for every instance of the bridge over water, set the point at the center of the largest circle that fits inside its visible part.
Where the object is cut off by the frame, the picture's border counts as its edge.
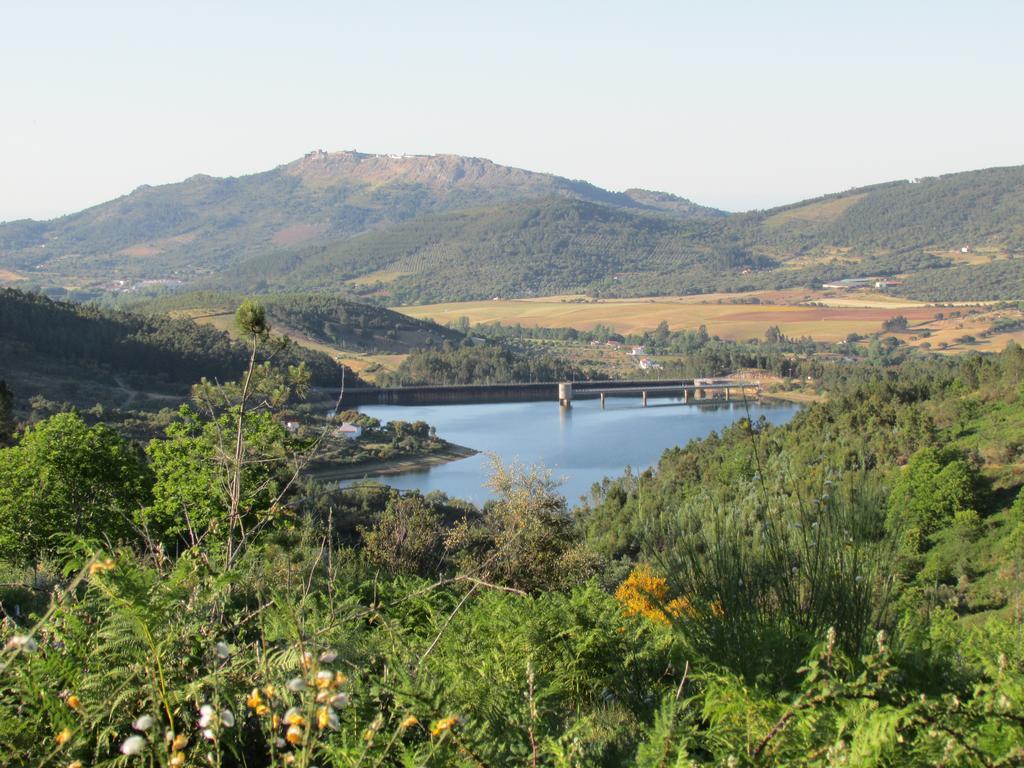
(689, 390)
(696, 389)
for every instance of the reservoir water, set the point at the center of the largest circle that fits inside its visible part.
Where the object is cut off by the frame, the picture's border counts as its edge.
(580, 445)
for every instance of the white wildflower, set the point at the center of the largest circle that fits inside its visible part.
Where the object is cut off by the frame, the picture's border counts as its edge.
(143, 723)
(133, 745)
(206, 713)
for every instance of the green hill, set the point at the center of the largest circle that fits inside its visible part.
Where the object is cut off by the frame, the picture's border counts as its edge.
(83, 354)
(332, 320)
(437, 228)
(204, 223)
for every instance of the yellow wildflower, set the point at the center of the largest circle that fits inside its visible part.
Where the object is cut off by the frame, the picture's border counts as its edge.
(177, 760)
(294, 717)
(74, 702)
(644, 594)
(716, 609)
(340, 679)
(63, 737)
(75, 764)
(327, 718)
(324, 679)
(269, 690)
(180, 742)
(443, 725)
(254, 700)
(409, 722)
(99, 567)
(679, 606)
(294, 734)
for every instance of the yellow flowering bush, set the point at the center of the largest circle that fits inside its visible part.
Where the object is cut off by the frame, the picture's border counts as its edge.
(645, 594)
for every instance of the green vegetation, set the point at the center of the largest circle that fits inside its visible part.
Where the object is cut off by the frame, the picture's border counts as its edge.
(844, 589)
(86, 355)
(482, 364)
(476, 231)
(172, 231)
(65, 477)
(376, 442)
(1001, 280)
(338, 321)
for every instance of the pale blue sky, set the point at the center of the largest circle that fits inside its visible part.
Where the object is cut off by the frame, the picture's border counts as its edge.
(733, 104)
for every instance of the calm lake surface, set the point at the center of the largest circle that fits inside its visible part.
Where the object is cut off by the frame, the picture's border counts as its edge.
(580, 445)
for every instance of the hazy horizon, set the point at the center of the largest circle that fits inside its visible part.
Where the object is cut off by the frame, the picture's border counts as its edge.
(739, 108)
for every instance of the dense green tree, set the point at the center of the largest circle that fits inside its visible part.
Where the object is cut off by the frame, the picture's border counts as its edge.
(930, 491)
(66, 478)
(191, 492)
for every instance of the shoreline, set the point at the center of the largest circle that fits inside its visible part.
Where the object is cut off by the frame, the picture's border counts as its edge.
(396, 466)
(797, 397)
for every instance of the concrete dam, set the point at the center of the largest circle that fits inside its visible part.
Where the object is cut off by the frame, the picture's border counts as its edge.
(689, 390)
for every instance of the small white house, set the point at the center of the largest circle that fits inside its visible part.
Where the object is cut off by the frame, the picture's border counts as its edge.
(348, 431)
(637, 351)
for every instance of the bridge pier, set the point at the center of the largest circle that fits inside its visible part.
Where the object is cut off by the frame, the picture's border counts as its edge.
(602, 401)
(565, 394)
(645, 398)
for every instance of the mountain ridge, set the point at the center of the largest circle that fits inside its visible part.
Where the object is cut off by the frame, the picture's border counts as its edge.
(441, 227)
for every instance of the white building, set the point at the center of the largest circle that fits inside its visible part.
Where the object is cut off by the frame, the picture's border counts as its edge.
(348, 431)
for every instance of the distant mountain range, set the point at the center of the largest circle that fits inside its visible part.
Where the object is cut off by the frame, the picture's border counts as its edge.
(445, 227)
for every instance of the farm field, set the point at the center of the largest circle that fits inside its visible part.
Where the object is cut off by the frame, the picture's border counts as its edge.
(723, 318)
(952, 334)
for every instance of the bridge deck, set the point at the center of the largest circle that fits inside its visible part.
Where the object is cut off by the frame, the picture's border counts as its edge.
(660, 388)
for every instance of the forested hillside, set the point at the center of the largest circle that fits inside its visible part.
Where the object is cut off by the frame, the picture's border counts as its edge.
(206, 223)
(428, 229)
(560, 246)
(78, 352)
(340, 322)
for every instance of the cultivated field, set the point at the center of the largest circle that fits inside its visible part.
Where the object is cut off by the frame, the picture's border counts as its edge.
(789, 310)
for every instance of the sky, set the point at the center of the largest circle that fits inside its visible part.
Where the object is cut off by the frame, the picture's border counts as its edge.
(733, 104)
